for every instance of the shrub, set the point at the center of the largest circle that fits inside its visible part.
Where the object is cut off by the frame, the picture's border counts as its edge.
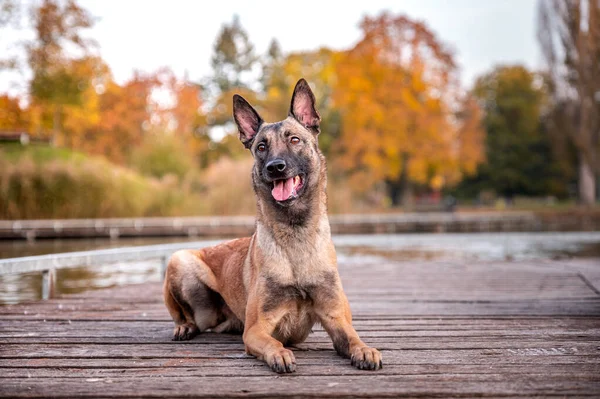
(81, 187)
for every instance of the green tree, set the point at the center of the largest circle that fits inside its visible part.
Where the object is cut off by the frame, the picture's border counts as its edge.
(55, 83)
(519, 155)
(9, 12)
(272, 68)
(233, 57)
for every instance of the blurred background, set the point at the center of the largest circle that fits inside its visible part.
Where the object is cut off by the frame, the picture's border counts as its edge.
(123, 109)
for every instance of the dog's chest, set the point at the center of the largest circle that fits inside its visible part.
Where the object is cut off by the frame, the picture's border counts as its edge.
(297, 262)
(298, 302)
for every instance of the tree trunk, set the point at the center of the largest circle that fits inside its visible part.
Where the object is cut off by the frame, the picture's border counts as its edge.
(405, 186)
(587, 182)
(400, 190)
(394, 192)
(55, 125)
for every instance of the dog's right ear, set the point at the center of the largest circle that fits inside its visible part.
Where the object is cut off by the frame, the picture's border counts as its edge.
(247, 120)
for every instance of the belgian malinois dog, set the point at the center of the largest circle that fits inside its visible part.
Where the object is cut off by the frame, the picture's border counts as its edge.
(275, 285)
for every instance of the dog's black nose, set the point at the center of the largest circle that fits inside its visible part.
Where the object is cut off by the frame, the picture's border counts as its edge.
(276, 166)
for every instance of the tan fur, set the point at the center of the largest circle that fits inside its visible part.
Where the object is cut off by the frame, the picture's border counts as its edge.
(275, 285)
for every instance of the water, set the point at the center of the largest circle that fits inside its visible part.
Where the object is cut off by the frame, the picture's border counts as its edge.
(15, 249)
(482, 247)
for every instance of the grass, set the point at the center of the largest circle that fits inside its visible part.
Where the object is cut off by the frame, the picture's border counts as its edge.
(39, 153)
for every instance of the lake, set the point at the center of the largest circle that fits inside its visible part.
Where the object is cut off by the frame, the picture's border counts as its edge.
(392, 248)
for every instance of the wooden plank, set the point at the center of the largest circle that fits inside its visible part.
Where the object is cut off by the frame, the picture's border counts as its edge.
(163, 334)
(404, 340)
(362, 309)
(485, 359)
(196, 349)
(224, 368)
(366, 385)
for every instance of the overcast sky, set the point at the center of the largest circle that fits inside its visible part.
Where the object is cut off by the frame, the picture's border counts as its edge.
(146, 35)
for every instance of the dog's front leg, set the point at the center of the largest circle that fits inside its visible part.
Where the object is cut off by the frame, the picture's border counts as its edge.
(335, 316)
(260, 343)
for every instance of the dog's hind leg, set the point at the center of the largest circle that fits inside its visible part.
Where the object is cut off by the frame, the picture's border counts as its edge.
(185, 328)
(231, 324)
(193, 305)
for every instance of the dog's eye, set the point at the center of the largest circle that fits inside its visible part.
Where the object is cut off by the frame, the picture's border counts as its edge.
(294, 140)
(261, 147)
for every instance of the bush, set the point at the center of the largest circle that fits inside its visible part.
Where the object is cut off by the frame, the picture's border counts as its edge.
(33, 187)
(160, 156)
(228, 187)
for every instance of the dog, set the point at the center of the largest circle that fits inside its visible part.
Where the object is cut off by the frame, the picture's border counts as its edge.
(275, 285)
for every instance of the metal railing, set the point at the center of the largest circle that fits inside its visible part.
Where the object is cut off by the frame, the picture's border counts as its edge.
(48, 264)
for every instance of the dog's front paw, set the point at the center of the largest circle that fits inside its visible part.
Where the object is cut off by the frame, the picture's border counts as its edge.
(282, 361)
(366, 358)
(185, 332)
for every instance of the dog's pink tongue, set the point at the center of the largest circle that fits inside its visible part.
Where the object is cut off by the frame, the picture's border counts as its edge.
(282, 189)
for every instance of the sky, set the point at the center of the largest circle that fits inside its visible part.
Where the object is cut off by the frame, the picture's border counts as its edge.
(147, 35)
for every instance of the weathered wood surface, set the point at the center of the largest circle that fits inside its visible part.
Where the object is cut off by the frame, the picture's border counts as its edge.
(445, 329)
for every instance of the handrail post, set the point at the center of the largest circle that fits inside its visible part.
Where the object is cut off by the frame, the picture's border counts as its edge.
(163, 266)
(48, 283)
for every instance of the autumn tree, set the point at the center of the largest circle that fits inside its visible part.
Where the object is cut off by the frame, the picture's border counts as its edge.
(124, 115)
(55, 83)
(12, 116)
(400, 100)
(569, 34)
(317, 67)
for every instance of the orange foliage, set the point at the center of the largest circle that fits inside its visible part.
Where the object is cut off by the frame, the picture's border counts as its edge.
(12, 116)
(398, 93)
(122, 115)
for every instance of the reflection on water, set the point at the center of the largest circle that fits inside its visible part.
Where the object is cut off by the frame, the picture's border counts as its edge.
(24, 287)
(28, 286)
(351, 248)
(15, 249)
(472, 247)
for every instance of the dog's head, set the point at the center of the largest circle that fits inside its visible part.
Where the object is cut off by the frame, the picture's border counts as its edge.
(287, 160)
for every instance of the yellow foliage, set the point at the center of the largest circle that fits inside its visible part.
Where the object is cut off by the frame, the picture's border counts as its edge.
(398, 93)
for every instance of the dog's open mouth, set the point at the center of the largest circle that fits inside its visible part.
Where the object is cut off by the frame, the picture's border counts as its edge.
(286, 189)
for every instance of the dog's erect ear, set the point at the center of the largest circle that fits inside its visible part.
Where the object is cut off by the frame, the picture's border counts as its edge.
(303, 106)
(247, 120)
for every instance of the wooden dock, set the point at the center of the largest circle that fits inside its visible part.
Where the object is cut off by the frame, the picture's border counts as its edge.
(239, 226)
(445, 329)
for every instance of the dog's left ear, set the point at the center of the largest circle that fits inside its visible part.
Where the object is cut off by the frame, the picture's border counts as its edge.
(303, 107)
(247, 120)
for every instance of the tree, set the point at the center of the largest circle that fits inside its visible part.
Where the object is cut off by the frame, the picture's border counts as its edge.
(317, 67)
(398, 93)
(54, 84)
(79, 117)
(519, 155)
(569, 34)
(233, 64)
(12, 116)
(233, 57)
(9, 12)
(272, 67)
(124, 116)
